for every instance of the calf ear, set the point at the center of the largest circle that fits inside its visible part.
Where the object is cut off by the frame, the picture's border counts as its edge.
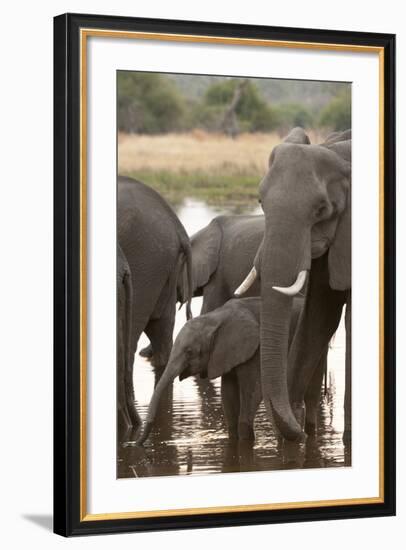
(205, 253)
(234, 342)
(339, 258)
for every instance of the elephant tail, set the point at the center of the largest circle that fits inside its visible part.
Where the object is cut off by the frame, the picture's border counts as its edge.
(189, 270)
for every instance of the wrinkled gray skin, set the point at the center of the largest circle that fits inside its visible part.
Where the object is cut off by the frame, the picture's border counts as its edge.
(127, 415)
(306, 197)
(223, 342)
(222, 254)
(156, 246)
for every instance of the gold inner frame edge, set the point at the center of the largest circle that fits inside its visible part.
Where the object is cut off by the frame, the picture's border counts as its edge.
(84, 34)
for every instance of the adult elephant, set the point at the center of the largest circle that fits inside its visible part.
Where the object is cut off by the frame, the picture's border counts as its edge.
(156, 247)
(222, 253)
(306, 198)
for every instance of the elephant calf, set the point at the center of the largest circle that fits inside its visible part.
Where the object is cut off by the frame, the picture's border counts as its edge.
(223, 342)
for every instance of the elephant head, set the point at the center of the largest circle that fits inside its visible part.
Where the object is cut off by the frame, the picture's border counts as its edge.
(210, 346)
(305, 196)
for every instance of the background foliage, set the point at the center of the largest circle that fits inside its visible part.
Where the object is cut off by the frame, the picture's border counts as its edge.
(154, 103)
(337, 114)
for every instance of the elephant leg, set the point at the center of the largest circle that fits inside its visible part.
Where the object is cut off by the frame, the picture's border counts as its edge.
(313, 393)
(317, 323)
(125, 389)
(130, 399)
(129, 395)
(160, 333)
(230, 397)
(147, 352)
(249, 386)
(348, 374)
(124, 419)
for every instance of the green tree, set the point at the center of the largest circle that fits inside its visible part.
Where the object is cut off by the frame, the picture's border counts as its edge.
(253, 113)
(148, 103)
(294, 114)
(337, 114)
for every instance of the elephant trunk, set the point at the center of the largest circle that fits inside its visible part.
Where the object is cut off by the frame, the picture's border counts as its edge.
(274, 351)
(172, 370)
(281, 263)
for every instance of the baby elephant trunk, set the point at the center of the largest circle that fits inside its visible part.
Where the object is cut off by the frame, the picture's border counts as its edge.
(173, 369)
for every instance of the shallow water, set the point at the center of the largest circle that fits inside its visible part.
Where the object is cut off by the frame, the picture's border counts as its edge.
(190, 435)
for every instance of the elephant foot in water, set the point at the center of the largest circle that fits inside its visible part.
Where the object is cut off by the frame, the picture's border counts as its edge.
(299, 410)
(310, 427)
(310, 421)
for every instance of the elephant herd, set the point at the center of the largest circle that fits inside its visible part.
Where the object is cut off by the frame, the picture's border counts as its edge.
(274, 287)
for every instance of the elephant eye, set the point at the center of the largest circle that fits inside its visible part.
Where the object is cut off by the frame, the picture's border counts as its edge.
(321, 210)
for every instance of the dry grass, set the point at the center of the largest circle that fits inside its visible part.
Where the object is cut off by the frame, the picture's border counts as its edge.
(213, 167)
(195, 151)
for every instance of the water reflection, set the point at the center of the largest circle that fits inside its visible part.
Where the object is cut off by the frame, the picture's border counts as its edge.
(190, 435)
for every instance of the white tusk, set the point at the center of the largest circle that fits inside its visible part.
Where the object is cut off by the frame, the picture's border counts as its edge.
(247, 282)
(295, 288)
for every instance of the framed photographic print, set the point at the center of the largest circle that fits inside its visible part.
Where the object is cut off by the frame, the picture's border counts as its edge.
(224, 274)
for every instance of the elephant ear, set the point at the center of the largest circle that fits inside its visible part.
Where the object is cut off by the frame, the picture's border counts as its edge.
(336, 137)
(339, 258)
(205, 253)
(298, 136)
(234, 342)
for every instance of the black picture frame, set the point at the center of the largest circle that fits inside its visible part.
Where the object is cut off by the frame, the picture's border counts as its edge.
(67, 351)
